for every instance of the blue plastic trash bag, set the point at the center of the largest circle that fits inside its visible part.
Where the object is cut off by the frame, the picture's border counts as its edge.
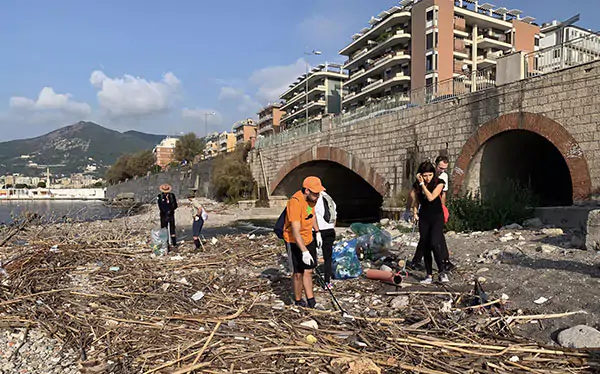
(371, 246)
(159, 241)
(361, 229)
(345, 262)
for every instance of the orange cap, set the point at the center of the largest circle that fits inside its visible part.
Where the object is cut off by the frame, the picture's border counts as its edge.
(313, 184)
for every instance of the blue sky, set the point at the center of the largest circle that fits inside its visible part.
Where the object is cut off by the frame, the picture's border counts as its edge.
(157, 66)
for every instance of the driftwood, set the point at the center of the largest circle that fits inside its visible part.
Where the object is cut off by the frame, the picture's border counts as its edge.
(140, 316)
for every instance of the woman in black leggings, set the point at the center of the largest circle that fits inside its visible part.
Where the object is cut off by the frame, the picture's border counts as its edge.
(426, 194)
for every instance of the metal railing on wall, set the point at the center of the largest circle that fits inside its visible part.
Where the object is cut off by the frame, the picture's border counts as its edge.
(565, 55)
(441, 91)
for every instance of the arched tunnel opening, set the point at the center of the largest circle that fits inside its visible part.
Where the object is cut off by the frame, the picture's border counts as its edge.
(356, 199)
(530, 160)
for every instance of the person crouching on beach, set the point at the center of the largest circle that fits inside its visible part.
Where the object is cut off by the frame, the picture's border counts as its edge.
(199, 216)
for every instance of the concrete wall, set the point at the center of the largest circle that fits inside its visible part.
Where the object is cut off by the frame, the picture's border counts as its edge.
(563, 107)
(145, 189)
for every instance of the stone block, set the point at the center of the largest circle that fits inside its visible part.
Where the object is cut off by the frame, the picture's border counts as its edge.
(592, 240)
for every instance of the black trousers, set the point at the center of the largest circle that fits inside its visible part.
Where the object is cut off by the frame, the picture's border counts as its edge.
(328, 237)
(432, 241)
(418, 257)
(168, 219)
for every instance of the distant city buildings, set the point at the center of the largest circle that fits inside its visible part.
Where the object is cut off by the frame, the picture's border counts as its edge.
(269, 119)
(227, 142)
(211, 147)
(245, 131)
(77, 180)
(313, 95)
(164, 153)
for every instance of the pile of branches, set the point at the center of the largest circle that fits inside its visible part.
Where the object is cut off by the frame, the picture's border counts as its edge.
(220, 310)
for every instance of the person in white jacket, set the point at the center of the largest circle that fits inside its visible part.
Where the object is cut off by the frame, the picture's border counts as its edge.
(199, 216)
(326, 215)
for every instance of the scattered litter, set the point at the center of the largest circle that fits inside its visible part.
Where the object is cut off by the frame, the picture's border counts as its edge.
(252, 236)
(214, 241)
(114, 268)
(311, 324)
(541, 300)
(54, 248)
(311, 339)
(177, 258)
(198, 296)
(514, 359)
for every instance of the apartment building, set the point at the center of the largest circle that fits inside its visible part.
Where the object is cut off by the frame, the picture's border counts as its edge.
(211, 148)
(313, 95)
(420, 43)
(269, 119)
(245, 131)
(226, 142)
(164, 152)
(565, 44)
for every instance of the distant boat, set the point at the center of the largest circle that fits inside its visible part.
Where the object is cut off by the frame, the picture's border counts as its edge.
(53, 194)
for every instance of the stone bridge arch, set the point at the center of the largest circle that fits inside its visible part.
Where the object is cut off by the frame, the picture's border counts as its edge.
(525, 122)
(336, 155)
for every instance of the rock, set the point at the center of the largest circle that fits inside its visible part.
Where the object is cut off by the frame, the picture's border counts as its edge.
(580, 336)
(482, 270)
(384, 221)
(355, 366)
(577, 242)
(506, 238)
(311, 324)
(533, 223)
(547, 248)
(386, 268)
(512, 226)
(552, 231)
(592, 239)
(400, 302)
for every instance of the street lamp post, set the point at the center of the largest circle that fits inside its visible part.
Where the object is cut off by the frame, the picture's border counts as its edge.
(206, 114)
(312, 53)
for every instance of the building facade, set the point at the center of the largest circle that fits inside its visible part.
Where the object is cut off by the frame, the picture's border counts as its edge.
(211, 148)
(226, 142)
(165, 151)
(269, 119)
(563, 45)
(420, 43)
(245, 131)
(313, 95)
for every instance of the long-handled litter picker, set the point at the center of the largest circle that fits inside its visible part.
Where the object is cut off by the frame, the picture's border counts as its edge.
(331, 293)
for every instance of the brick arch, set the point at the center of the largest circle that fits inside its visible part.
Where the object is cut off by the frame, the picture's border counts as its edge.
(536, 123)
(337, 155)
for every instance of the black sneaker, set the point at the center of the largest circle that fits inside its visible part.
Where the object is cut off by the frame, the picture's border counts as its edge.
(301, 303)
(449, 266)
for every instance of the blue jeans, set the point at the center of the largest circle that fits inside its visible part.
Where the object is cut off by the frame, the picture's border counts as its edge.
(197, 227)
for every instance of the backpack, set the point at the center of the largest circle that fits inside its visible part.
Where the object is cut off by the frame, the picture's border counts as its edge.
(279, 225)
(330, 214)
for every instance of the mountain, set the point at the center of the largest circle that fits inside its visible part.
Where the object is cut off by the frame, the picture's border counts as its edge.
(71, 149)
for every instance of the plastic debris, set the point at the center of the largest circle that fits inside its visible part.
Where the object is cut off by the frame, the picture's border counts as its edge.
(345, 262)
(198, 296)
(541, 300)
(160, 241)
(311, 339)
(311, 324)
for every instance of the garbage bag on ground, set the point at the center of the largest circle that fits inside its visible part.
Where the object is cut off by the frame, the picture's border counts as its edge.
(159, 241)
(361, 229)
(345, 261)
(371, 246)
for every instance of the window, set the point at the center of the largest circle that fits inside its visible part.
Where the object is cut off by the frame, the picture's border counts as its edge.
(429, 41)
(557, 53)
(536, 42)
(428, 82)
(430, 15)
(429, 63)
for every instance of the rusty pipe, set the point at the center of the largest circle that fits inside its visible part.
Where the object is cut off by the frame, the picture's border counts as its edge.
(384, 276)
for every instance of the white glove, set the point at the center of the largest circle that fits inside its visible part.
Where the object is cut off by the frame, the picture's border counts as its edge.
(196, 218)
(307, 258)
(319, 240)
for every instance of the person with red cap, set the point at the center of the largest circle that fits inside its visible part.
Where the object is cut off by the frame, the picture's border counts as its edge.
(298, 236)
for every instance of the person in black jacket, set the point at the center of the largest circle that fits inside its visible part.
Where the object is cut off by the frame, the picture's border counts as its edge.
(167, 204)
(427, 210)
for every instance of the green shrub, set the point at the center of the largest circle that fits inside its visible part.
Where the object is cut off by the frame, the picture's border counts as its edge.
(504, 204)
(231, 178)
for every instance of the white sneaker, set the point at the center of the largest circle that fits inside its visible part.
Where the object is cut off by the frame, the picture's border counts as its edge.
(428, 280)
(444, 278)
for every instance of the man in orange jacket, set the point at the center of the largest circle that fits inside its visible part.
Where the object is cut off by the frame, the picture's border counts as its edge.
(298, 236)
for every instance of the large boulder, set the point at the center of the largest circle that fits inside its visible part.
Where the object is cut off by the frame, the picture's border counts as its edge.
(580, 336)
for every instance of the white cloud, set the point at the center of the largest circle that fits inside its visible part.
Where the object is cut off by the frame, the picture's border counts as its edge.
(50, 100)
(274, 80)
(134, 96)
(244, 102)
(228, 92)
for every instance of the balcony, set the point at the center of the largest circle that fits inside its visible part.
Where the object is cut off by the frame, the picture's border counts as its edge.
(378, 85)
(319, 88)
(389, 40)
(488, 41)
(392, 20)
(379, 65)
(302, 110)
(264, 119)
(265, 129)
(487, 60)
